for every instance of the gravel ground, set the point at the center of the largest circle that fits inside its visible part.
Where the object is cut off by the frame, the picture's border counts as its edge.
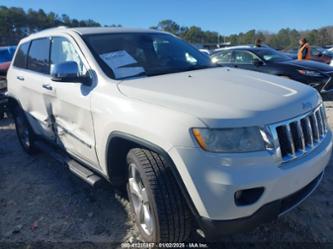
(42, 205)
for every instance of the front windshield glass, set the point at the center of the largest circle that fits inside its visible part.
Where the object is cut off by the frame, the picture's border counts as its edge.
(327, 52)
(126, 55)
(271, 55)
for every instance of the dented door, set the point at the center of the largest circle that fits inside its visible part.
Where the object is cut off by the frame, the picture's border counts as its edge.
(71, 106)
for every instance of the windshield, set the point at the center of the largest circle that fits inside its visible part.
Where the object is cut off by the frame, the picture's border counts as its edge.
(271, 55)
(327, 52)
(126, 55)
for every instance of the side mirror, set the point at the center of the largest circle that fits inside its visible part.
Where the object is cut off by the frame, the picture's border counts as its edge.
(68, 72)
(258, 62)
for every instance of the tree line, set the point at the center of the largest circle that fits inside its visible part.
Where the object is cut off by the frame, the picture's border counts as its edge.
(16, 23)
(284, 38)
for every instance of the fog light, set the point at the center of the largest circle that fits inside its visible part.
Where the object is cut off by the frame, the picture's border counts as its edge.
(248, 196)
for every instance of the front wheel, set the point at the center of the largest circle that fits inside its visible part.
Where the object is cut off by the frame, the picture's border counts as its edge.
(161, 213)
(24, 131)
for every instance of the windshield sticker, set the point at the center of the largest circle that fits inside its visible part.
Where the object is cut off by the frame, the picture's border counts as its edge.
(124, 72)
(119, 62)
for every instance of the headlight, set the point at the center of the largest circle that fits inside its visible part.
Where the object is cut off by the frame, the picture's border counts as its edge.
(310, 73)
(214, 60)
(230, 140)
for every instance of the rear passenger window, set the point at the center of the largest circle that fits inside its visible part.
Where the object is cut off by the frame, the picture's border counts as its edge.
(38, 59)
(21, 56)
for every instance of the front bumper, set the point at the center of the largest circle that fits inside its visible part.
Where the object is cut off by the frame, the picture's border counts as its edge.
(212, 180)
(213, 229)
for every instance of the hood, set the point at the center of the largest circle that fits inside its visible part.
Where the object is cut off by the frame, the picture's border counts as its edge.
(311, 65)
(225, 97)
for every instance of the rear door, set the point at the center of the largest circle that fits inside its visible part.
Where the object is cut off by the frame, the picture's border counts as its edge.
(31, 75)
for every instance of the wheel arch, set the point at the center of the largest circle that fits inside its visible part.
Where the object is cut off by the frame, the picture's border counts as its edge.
(118, 145)
(13, 103)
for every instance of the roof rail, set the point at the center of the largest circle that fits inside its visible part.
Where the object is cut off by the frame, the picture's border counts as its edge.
(58, 27)
(49, 29)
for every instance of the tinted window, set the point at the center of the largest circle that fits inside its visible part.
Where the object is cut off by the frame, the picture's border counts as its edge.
(125, 55)
(21, 56)
(63, 50)
(222, 57)
(38, 59)
(5, 55)
(244, 57)
(271, 55)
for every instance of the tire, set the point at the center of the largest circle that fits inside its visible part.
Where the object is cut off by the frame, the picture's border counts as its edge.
(161, 198)
(24, 131)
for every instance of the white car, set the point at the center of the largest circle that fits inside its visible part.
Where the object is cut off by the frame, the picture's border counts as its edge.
(219, 150)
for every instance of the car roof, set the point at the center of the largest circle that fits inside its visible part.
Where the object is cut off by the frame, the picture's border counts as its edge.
(103, 30)
(87, 31)
(245, 48)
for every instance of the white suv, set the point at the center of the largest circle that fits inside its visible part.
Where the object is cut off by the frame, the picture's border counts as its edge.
(217, 149)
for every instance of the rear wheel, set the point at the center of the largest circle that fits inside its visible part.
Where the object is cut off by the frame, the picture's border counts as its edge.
(161, 213)
(24, 131)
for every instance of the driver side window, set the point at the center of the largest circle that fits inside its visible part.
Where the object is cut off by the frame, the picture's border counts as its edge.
(62, 50)
(244, 57)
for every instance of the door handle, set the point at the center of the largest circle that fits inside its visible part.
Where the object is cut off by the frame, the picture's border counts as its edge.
(20, 78)
(47, 87)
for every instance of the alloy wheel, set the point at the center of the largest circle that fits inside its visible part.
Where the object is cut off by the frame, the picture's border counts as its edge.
(140, 201)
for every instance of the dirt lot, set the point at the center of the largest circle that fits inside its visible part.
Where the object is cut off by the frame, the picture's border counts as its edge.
(42, 204)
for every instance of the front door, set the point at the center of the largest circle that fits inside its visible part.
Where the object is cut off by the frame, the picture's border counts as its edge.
(71, 107)
(246, 60)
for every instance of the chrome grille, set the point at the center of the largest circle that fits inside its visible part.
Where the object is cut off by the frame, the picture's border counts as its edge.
(295, 137)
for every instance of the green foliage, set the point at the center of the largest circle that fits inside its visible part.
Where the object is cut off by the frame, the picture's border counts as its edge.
(284, 38)
(15, 23)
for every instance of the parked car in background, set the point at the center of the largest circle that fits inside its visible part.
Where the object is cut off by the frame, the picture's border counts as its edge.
(6, 55)
(317, 54)
(3, 98)
(329, 53)
(264, 45)
(266, 60)
(205, 51)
